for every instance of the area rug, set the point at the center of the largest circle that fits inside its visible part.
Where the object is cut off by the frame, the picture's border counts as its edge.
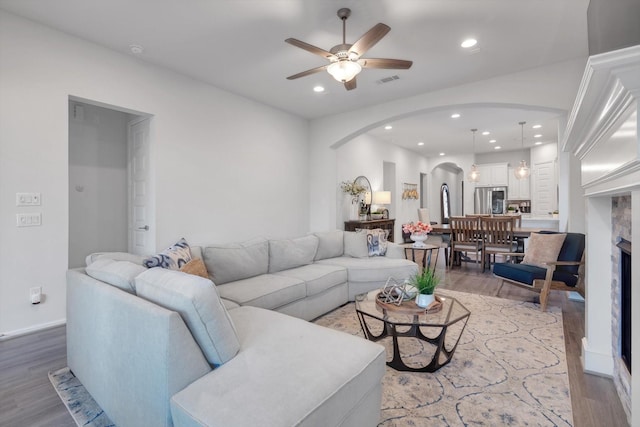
(84, 410)
(509, 369)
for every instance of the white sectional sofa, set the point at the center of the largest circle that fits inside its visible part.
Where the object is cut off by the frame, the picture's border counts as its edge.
(158, 347)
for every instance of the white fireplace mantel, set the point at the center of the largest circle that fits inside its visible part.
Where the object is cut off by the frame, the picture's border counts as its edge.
(602, 132)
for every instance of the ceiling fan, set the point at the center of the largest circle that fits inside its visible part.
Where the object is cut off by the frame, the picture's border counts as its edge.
(346, 59)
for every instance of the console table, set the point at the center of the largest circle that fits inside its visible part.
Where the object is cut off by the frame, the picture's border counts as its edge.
(385, 224)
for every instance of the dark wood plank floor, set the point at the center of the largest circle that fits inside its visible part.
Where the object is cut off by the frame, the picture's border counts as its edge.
(28, 399)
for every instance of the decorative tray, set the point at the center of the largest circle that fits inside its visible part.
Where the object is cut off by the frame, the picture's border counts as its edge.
(409, 306)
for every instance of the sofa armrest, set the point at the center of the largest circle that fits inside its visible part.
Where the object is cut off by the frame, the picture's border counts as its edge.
(109, 332)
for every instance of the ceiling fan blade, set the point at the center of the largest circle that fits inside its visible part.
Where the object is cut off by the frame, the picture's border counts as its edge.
(311, 48)
(369, 39)
(399, 64)
(308, 72)
(351, 84)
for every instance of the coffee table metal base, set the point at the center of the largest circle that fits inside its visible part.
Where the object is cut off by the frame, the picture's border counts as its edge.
(391, 329)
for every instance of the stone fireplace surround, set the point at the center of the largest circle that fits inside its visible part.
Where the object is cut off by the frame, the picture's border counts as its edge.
(602, 140)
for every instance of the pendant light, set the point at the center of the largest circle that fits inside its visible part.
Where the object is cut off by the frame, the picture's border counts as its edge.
(474, 173)
(522, 171)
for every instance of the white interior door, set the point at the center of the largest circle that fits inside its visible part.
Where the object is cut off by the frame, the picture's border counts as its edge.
(141, 218)
(544, 187)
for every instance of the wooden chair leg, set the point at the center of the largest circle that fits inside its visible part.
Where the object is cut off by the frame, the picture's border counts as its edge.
(499, 287)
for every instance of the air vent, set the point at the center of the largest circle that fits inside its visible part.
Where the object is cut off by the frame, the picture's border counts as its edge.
(387, 79)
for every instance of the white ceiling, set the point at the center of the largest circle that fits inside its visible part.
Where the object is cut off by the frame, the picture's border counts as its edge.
(238, 45)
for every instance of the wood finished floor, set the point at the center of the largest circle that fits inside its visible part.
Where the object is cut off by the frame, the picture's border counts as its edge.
(28, 399)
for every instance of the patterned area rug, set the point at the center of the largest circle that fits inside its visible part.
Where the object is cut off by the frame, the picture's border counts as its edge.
(84, 410)
(509, 369)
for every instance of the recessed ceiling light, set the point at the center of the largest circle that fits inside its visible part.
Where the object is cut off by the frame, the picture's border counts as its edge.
(420, 143)
(486, 132)
(538, 143)
(537, 135)
(442, 154)
(497, 147)
(136, 49)
(388, 127)
(493, 141)
(455, 116)
(469, 43)
(536, 126)
(318, 89)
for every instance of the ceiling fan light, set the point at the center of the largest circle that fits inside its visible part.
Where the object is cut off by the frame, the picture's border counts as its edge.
(344, 70)
(522, 171)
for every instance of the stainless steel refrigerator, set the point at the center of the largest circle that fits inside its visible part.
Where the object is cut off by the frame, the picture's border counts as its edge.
(490, 200)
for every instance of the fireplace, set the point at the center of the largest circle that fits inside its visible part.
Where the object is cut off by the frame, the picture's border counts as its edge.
(625, 301)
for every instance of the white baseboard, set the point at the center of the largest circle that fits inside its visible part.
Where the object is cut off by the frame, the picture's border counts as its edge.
(31, 330)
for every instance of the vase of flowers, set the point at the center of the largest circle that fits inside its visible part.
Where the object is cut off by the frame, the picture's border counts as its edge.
(425, 282)
(419, 232)
(353, 190)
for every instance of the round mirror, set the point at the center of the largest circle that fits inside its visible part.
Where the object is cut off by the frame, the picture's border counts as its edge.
(365, 197)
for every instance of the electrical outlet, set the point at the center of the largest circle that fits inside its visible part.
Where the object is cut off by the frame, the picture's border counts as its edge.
(35, 294)
(29, 219)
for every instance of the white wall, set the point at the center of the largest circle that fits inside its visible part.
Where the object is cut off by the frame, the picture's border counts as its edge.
(226, 168)
(97, 182)
(365, 155)
(441, 175)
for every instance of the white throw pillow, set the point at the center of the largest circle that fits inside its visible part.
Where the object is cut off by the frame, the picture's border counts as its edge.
(173, 258)
(197, 301)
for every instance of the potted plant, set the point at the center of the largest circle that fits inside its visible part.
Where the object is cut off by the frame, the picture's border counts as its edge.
(554, 214)
(511, 210)
(425, 282)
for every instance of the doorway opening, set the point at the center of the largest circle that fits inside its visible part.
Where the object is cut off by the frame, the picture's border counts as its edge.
(101, 188)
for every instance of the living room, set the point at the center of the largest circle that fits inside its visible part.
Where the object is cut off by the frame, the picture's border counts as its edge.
(227, 168)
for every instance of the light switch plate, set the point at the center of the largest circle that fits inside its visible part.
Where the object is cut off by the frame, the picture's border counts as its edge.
(27, 199)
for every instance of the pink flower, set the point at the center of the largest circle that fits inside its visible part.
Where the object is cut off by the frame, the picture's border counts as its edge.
(417, 228)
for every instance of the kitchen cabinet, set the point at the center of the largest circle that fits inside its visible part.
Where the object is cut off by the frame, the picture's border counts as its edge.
(519, 189)
(493, 175)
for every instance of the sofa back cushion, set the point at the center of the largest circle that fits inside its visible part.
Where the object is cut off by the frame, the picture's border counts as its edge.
(116, 256)
(196, 300)
(120, 274)
(355, 244)
(330, 244)
(291, 253)
(236, 261)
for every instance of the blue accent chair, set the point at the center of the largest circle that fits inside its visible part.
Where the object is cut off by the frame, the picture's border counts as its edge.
(565, 274)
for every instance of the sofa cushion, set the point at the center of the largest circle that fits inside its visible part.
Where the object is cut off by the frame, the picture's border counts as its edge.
(330, 244)
(197, 301)
(543, 248)
(174, 257)
(355, 244)
(526, 273)
(120, 274)
(195, 266)
(237, 261)
(268, 291)
(280, 355)
(373, 269)
(116, 256)
(291, 253)
(317, 277)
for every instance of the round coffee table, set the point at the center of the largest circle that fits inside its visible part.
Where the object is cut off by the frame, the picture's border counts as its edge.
(441, 329)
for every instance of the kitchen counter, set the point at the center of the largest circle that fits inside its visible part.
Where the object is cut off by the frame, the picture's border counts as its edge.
(546, 222)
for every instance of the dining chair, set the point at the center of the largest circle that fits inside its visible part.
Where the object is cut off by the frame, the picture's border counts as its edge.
(465, 237)
(497, 237)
